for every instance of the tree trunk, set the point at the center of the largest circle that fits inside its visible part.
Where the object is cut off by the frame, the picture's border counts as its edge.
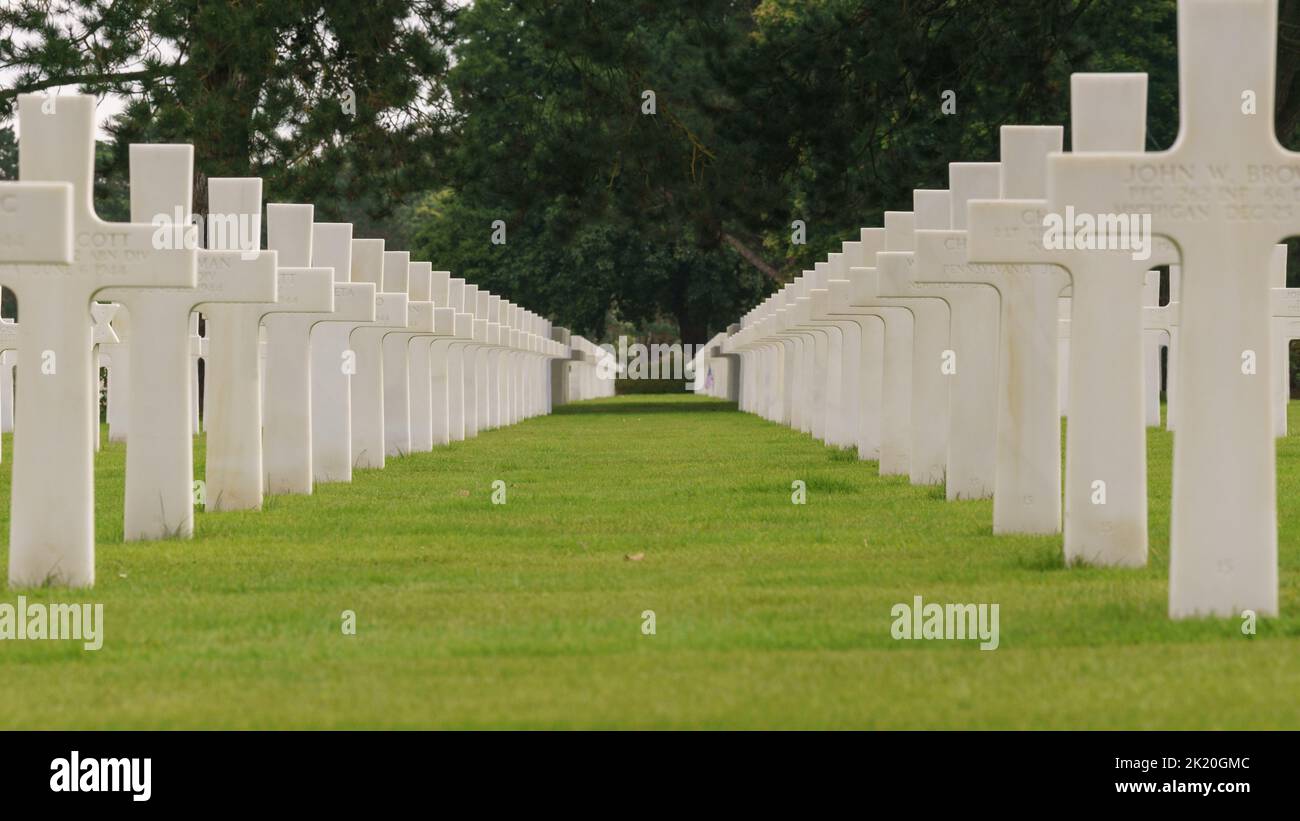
(691, 331)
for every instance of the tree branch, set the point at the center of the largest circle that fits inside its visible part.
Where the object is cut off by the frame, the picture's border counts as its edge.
(78, 79)
(751, 256)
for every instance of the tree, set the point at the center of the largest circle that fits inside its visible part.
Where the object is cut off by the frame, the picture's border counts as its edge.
(602, 200)
(764, 112)
(332, 102)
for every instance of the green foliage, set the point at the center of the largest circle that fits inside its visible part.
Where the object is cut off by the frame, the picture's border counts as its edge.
(8, 154)
(259, 88)
(765, 112)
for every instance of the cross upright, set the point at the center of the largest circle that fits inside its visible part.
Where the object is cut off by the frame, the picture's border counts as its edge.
(488, 336)
(1225, 193)
(234, 469)
(290, 399)
(428, 292)
(896, 412)
(367, 341)
(73, 254)
(932, 318)
(1105, 463)
(447, 366)
(403, 408)
(843, 382)
(498, 364)
(331, 358)
(969, 363)
(159, 450)
(941, 259)
(473, 358)
(810, 386)
(1027, 483)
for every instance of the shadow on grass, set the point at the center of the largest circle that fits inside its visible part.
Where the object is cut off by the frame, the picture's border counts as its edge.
(636, 407)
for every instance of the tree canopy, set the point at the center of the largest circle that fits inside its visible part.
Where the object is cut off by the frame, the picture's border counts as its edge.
(643, 159)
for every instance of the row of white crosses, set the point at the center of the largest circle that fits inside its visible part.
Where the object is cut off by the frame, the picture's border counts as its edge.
(931, 344)
(713, 372)
(368, 354)
(591, 371)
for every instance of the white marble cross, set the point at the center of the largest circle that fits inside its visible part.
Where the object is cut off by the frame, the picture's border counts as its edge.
(809, 386)
(159, 453)
(1225, 193)
(522, 358)
(787, 351)
(507, 359)
(407, 389)
(808, 349)
(863, 353)
(773, 356)
(488, 337)
(559, 385)
(1105, 465)
(1027, 487)
(498, 392)
(932, 318)
(896, 413)
(539, 365)
(397, 396)
(552, 351)
(511, 386)
(844, 366)
(233, 397)
(753, 342)
(781, 348)
(429, 390)
(490, 367)
(332, 359)
(65, 254)
(975, 331)
(368, 413)
(968, 363)
(473, 356)
(447, 365)
(288, 431)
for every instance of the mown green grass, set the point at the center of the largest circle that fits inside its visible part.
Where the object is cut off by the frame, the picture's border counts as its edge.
(528, 614)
